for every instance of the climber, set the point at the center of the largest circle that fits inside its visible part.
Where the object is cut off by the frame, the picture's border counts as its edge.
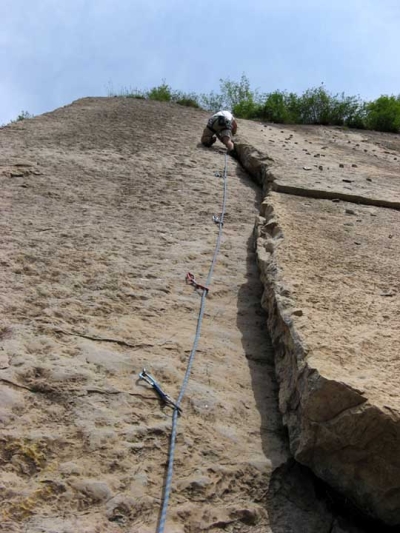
(222, 125)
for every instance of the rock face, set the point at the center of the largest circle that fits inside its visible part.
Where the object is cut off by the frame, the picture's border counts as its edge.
(96, 240)
(331, 274)
(106, 205)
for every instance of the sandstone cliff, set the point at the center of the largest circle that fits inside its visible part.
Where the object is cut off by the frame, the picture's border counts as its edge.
(106, 205)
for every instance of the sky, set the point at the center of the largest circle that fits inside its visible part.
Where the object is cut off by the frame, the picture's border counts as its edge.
(55, 51)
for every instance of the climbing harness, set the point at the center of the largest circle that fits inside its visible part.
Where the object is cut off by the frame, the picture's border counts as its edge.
(148, 378)
(223, 123)
(190, 278)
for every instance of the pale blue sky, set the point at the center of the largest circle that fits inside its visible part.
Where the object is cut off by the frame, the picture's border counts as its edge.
(55, 51)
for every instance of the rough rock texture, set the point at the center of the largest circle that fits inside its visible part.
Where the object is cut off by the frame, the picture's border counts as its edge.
(331, 276)
(330, 162)
(106, 204)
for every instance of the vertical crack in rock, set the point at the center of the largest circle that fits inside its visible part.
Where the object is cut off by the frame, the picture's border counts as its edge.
(334, 428)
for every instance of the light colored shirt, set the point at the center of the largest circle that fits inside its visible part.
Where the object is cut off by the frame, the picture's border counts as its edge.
(227, 114)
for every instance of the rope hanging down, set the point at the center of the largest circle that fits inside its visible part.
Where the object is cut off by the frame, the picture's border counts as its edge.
(172, 443)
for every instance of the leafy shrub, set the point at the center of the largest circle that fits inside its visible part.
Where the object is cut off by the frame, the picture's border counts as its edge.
(246, 109)
(185, 99)
(188, 102)
(235, 93)
(139, 95)
(344, 109)
(239, 97)
(212, 102)
(162, 93)
(357, 117)
(22, 116)
(314, 106)
(280, 107)
(318, 106)
(384, 114)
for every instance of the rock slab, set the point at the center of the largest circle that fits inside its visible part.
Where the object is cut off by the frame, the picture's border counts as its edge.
(330, 272)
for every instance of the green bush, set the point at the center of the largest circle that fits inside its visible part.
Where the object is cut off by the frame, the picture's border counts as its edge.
(185, 99)
(280, 107)
(344, 109)
(212, 102)
(162, 93)
(188, 102)
(22, 116)
(314, 106)
(138, 95)
(247, 109)
(357, 117)
(384, 114)
(239, 97)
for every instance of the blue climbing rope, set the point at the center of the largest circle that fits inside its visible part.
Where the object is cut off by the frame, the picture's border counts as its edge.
(175, 415)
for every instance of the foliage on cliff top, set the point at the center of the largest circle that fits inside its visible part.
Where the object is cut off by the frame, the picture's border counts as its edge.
(316, 105)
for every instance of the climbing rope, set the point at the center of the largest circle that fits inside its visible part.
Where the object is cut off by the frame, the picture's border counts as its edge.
(175, 415)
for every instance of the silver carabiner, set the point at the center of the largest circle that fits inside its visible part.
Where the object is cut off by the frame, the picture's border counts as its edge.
(163, 396)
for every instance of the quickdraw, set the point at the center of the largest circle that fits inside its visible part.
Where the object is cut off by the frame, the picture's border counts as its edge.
(218, 220)
(190, 279)
(148, 378)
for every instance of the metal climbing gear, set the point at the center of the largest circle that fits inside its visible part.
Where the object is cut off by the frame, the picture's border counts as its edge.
(148, 378)
(218, 219)
(190, 279)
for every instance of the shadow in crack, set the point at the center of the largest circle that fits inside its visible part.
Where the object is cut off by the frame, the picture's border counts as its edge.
(296, 500)
(256, 342)
(291, 503)
(247, 180)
